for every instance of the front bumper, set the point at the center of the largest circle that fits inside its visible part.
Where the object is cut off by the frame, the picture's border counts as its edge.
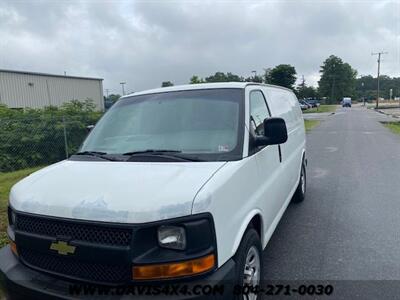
(21, 282)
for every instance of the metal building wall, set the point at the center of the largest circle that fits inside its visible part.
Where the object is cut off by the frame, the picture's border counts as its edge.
(36, 91)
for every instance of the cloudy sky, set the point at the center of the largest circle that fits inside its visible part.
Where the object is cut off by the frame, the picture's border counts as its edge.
(146, 42)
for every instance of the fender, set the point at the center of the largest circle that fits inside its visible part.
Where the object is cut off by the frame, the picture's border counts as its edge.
(303, 158)
(244, 226)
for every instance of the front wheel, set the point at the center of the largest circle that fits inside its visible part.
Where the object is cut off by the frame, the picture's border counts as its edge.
(300, 193)
(249, 264)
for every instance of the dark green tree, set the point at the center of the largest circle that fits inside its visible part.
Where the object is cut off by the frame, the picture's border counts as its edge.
(196, 79)
(222, 77)
(110, 100)
(282, 75)
(255, 78)
(166, 83)
(303, 91)
(306, 92)
(366, 86)
(113, 97)
(337, 79)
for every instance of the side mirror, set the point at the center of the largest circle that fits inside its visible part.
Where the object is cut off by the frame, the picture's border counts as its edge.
(89, 128)
(275, 132)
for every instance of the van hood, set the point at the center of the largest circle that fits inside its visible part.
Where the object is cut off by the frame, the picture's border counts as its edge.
(125, 192)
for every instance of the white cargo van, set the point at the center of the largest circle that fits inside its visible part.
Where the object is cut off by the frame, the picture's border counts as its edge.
(173, 184)
(346, 102)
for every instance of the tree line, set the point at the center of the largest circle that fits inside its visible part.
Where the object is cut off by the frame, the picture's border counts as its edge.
(338, 79)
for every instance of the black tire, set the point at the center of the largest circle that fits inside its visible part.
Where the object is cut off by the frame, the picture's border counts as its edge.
(250, 241)
(300, 193)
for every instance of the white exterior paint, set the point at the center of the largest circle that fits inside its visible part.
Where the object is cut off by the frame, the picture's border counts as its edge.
(258, 184)
(124, 192)
(233, 192)
(37, 90)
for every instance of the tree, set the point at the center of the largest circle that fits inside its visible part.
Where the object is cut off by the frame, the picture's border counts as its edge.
(196, 79)
(337, 79)
(283, 75)
(366, 86)
(113, 97)
(166, 83)
(255, 78)
(306, 92)
(222, 77)
(110, 100)
(303, 91)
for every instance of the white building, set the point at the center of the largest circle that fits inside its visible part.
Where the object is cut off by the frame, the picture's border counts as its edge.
(36, 90)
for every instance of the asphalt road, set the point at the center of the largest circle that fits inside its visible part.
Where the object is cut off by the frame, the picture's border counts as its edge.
(348, 228)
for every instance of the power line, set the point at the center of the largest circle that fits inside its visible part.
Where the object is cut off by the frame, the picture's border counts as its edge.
(379, 67)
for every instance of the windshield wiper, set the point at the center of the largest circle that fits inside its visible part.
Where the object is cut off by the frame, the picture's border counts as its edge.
(162, 153)
(98, 154)
(152, 151)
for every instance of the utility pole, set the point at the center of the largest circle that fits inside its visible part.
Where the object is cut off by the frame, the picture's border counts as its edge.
(255, 74)
(379, 67)
(107, 90)
(303, 81)
(123, 89)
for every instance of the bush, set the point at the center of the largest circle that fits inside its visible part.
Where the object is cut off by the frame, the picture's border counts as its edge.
(33, 137)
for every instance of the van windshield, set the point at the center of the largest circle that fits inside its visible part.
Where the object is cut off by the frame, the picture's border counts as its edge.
(203, 123)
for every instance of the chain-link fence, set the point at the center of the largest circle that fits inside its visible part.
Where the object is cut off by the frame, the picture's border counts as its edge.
(40, 140)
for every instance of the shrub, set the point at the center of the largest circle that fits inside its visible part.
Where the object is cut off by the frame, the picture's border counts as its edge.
(33, 137)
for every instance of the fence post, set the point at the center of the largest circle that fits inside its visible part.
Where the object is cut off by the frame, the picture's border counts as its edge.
(65, 137)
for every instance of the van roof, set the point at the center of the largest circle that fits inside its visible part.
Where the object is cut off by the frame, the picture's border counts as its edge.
(200, 86)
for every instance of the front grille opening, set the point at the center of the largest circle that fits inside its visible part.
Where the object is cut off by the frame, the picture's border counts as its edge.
(64, 266)
(75, 231)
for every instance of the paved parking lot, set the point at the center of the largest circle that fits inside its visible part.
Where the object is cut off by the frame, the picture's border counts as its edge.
(348, 226)
(317, 116)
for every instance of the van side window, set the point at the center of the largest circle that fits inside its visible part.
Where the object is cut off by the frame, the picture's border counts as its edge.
(258, 112)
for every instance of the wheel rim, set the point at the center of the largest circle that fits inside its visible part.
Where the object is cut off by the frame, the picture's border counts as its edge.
(303, 181)
(252, 269)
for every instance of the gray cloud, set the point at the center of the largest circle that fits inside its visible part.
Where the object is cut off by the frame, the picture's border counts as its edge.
(146, 42)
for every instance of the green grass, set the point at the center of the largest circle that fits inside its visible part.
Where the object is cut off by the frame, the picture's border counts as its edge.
(310, 124)
(321, 109)
(393, 126)
(7, 180)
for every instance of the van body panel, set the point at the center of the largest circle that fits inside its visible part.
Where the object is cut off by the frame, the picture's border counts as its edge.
(230, 202)
(130, 192)
(270, 184)
(261, 182)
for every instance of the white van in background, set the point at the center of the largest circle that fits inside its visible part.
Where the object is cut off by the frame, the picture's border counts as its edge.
(346, 102)
(180, 183)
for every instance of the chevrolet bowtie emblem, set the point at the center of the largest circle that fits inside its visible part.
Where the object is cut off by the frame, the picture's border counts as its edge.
(62, 248)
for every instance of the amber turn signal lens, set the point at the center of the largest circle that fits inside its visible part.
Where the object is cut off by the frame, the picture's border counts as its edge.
(171, 270)
(13, 247)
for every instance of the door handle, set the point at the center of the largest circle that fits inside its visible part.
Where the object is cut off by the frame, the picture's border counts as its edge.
(280, 153)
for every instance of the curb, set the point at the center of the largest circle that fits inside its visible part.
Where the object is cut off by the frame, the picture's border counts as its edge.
(382, 112)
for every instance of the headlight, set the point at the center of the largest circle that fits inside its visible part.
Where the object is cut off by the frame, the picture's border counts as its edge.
(172, 237)
(174, 248)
